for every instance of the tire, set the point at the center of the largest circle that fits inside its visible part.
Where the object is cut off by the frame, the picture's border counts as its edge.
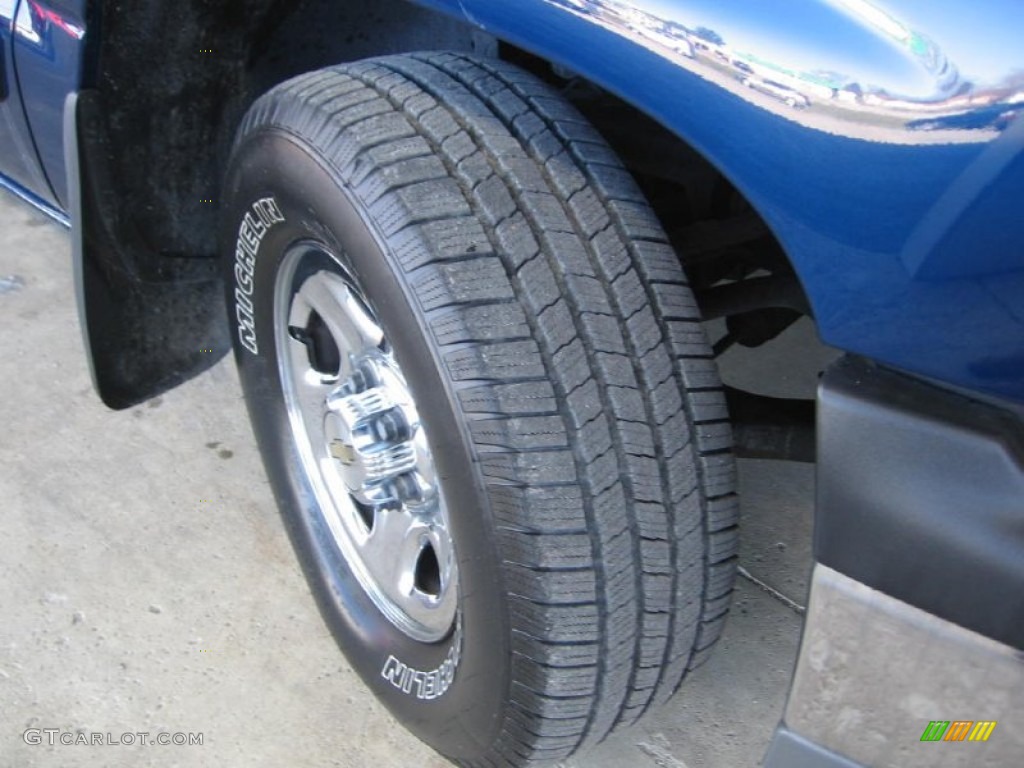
(569, 403)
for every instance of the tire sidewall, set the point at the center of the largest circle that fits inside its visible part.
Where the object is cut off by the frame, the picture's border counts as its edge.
(317, 205)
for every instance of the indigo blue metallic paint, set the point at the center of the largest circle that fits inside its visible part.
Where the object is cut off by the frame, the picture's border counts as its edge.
(902, 213)
(19, 161)
(48, 55)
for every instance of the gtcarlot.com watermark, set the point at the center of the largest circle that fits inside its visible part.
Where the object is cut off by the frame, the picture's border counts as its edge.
(55, 736)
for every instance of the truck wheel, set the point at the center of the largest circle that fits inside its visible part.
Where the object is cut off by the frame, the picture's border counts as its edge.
(483, 398)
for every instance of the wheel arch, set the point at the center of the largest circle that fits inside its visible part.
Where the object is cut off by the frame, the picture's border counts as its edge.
(876, 252)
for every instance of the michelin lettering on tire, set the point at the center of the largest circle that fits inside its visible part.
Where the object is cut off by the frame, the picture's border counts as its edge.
(425, 685)
(255, 224)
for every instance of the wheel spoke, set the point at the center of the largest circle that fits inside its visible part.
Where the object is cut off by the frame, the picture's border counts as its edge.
(392, 547)
(311, 389)
(350, 325)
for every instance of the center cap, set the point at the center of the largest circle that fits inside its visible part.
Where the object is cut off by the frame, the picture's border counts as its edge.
(368, 433)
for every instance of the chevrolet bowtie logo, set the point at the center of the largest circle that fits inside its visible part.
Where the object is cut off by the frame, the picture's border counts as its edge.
(343, 452)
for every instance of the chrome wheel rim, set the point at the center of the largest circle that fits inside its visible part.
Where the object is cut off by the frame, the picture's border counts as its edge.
(362, 445)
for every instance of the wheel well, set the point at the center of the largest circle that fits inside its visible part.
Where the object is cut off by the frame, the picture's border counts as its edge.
(171, 83)
(166, 127)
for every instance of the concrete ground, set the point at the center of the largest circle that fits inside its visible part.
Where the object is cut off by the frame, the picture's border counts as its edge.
(148, 585)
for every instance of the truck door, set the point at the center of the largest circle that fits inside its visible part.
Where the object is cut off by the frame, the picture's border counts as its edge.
(19, 160)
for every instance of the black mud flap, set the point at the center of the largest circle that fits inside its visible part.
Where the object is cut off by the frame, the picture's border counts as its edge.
(150, 321)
